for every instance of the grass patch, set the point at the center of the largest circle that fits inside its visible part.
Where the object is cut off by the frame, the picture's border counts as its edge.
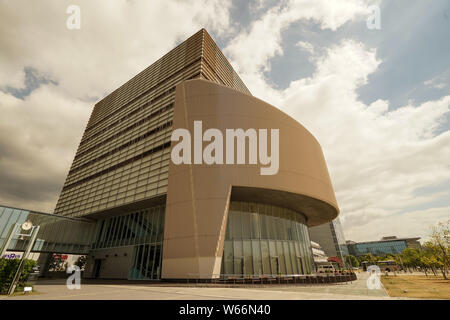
(32, 293)
(431, 287)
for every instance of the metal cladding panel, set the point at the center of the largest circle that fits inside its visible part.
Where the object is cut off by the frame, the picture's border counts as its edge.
(199, 195)
(123, 156)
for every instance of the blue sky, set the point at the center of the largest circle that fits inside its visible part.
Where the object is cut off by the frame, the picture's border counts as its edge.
(377, 100)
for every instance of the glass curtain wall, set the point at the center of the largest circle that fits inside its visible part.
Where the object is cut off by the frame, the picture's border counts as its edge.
(56, 233)
(144, 231)
(380, 248)
(263, 239)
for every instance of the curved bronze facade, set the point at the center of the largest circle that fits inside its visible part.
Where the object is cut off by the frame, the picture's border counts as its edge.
(198, 195)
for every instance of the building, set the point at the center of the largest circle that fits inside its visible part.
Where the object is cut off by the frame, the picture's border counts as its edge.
(56, 235)
(387, 245)
(155, 219)
(319, 255)
(331, 238)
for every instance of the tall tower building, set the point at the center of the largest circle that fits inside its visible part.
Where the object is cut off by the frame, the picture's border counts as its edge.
(123, 156)
(330, 237)
(155, 219)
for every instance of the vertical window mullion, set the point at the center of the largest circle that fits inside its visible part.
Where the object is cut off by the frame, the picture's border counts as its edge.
(107, 234)
(111, 234)
(127, 230)
(139, 219)
(154, 260)
(155, 226)
(122, 230)
(135, 227)
(151, 218)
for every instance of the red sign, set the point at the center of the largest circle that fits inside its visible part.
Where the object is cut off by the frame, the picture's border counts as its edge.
(62, 256)
(335, 259)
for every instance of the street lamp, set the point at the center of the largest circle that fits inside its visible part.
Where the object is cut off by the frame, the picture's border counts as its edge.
(15, 230)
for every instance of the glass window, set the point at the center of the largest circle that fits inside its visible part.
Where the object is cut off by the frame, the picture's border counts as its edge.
(287, 257)
(228, 257)
(281, 259)
(255, 225)
(274, 261)
(246, 225)
(295, 268)
(248, 257)
(265, 257)
(263, 226)
(257, 262)
(279, 225)
(238, 258)
(151, 262)
(247, 250)
(157, 266)
(237, 225)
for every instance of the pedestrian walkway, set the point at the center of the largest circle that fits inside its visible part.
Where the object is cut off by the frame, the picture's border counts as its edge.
(117, 290)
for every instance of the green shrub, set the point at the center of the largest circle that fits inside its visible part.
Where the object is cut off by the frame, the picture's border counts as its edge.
(8, 268)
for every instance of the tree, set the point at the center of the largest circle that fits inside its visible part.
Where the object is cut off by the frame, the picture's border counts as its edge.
(390, 257)
(369, 258)
(352, 261)
(435, 253)
(425, 263)
(57, 263)
(81, 262)
(411, 258)
(438, 246)
(8, 268)
(434, 264)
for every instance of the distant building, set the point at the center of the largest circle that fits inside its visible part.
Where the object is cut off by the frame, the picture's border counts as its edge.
(387, 245)
(319, 255)
(331, 238)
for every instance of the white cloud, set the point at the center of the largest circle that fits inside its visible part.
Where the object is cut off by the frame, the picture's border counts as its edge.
(419, 223)
(38, 139)
(39, 135)
(120, 38)
(251, 51)
(377, 158)
(439, 81)
(262, 41)
(306, 46)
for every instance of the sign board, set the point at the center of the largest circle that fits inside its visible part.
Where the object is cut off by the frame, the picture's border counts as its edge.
(11, 256)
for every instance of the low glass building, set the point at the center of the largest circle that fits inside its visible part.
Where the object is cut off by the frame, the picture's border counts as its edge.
(387, 245)
(330, 237)
(57, 234)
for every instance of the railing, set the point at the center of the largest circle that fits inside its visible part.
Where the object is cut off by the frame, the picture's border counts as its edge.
(269, 279)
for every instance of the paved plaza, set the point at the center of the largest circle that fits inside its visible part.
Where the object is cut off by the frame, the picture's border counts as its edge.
(123, 290)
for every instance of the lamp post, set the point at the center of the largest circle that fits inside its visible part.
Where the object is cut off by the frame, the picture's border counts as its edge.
(27, 225)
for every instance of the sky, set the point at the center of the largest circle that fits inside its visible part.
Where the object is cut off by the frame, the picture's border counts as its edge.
(377, 99)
